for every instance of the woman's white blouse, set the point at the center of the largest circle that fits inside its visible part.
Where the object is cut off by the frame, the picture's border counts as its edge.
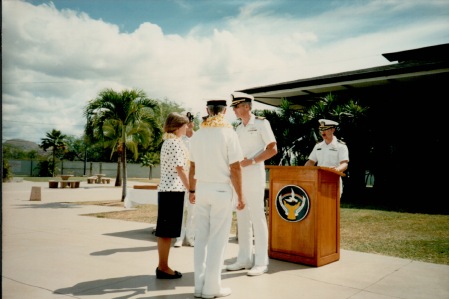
(173, 153)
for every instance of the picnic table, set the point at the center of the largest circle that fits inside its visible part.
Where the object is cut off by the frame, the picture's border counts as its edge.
(64, 182)
(68, 183)
(99, 176)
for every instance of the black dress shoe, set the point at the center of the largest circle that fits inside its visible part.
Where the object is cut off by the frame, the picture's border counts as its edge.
(164, 275)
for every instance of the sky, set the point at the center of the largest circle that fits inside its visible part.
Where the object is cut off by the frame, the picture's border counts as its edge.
(58, 55)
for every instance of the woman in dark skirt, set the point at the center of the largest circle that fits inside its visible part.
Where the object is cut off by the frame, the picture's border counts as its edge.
(171, 190)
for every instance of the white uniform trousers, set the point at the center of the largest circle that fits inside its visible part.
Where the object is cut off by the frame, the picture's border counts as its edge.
(187, 228)
(213, 217)
(252, 221)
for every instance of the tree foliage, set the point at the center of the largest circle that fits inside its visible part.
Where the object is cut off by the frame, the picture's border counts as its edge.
(7, 172)
(297, 132)
(123, 120)
(150, 159)
(56, 142)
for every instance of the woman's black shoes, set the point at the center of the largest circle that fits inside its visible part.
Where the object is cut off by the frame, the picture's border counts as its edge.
(163, 275)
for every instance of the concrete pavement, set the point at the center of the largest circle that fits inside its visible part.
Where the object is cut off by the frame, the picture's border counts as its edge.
(50, 249)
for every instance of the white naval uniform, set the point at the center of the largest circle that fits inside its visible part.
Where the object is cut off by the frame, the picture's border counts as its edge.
(212, 149)
(330, 155)
(254, 137)
(187, 228)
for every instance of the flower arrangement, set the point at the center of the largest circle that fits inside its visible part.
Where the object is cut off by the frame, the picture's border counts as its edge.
(169, 136)
(216, 121)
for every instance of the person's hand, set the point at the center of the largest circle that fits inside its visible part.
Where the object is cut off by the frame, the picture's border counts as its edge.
(240, 204)
(192, 198)
(246, 162)
(336, 168)
(332, 167)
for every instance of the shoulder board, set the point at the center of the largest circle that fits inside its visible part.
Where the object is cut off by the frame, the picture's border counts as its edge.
(340, 141)
(260, 117)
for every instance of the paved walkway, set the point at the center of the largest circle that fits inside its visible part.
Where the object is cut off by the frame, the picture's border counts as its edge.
(50, 249)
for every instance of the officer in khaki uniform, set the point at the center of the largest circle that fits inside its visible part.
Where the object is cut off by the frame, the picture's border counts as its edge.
(258, 144)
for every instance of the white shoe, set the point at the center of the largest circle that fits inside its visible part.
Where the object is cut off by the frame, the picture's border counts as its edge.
(178, 243)
(237, 266)
(223, 293)
(257, 270)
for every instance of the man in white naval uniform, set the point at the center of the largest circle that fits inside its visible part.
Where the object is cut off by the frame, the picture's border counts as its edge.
(330, 152)
(215, 173)
(258, 144)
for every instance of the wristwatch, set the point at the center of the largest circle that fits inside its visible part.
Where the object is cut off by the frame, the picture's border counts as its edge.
(192, 191)
(253, 161)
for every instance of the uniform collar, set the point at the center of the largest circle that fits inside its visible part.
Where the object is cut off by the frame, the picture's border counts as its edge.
(252, 119)
(333, 142)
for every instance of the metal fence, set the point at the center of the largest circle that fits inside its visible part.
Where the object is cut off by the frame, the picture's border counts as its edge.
(79, 168)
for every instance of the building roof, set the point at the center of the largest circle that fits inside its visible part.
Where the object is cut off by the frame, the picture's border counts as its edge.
(412, 65)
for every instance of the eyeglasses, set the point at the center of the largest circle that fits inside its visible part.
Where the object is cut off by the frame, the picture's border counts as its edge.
(238, 106)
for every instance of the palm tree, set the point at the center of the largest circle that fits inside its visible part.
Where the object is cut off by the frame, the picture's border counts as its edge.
(123, 120)
(55, 141)
(138, 135)
(111, 135)
(150, 159)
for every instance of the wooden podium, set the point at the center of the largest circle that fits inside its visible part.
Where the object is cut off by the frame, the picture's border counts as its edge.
(304, 214)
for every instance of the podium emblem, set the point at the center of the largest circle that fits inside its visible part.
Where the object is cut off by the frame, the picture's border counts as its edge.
(292, 203)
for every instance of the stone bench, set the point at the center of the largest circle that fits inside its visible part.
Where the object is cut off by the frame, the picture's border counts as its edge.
(70, 184)
(53, 184)
(91, 179)
(149, 187)
(74, 184)
(141, 195)
(105, 180)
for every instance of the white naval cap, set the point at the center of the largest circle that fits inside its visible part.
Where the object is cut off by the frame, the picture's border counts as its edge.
(327, 124)
(238, 97)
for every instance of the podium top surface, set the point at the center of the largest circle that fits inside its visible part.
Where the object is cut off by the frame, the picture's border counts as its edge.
(307, 167)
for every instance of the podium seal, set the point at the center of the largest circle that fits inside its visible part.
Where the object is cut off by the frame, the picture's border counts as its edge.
(292, 203)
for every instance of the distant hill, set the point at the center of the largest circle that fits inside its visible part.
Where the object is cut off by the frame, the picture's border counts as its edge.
(24, 145)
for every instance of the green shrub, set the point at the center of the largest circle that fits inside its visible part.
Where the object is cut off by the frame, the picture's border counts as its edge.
(7, 172)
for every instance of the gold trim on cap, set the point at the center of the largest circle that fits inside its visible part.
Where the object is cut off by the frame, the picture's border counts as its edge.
(239, 100)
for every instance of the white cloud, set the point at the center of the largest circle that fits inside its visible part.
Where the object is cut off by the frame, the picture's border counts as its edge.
(55, 61)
